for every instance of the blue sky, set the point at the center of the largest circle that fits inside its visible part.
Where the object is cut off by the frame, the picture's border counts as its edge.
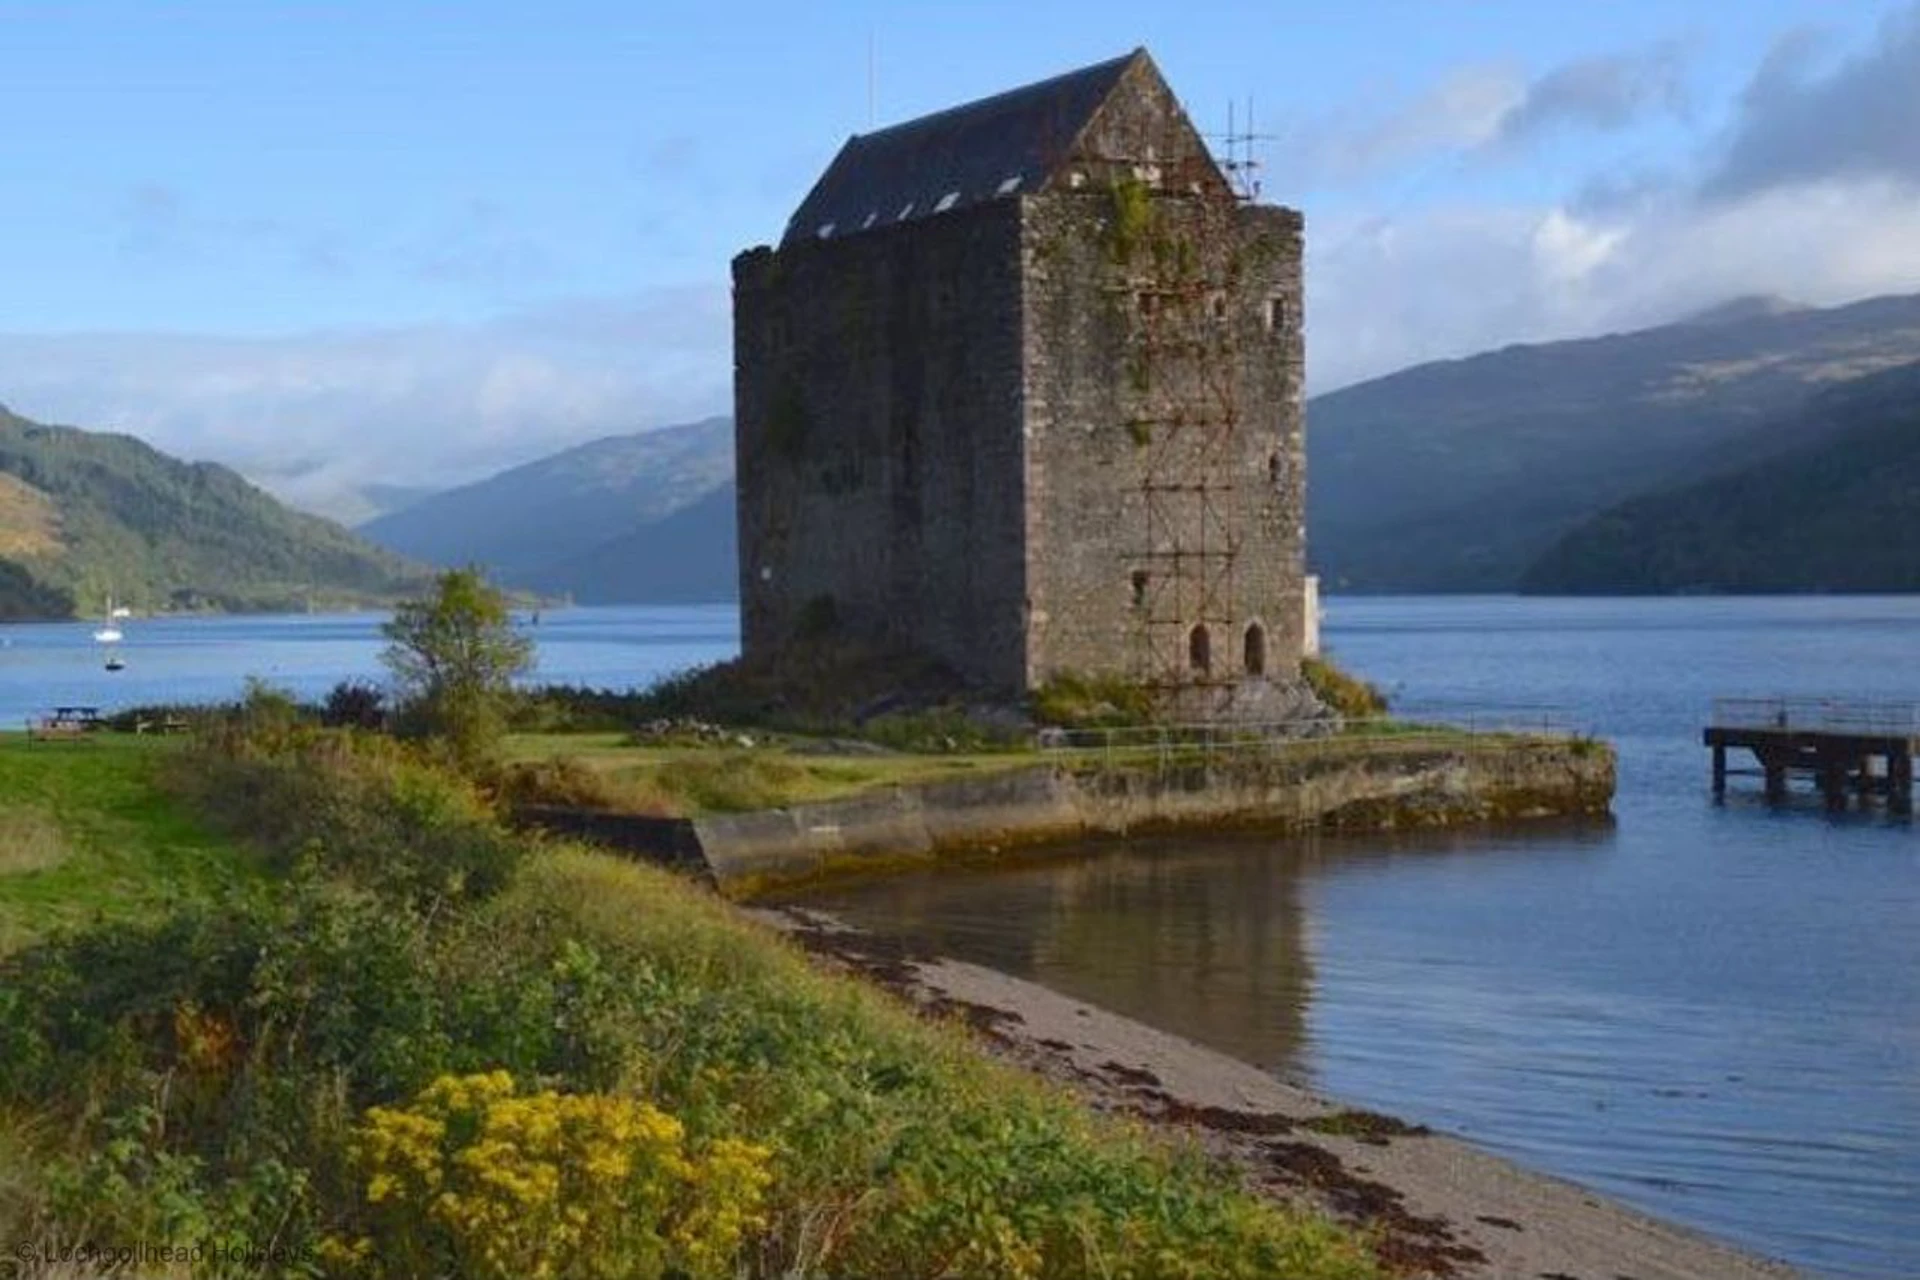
(334, 242)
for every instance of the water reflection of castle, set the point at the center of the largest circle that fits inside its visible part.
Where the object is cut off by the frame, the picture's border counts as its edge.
(1203, 938)
(1206, 943)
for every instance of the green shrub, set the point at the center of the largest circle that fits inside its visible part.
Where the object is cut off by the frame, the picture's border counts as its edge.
(555, 708)
(1348, 695)
(355, 704)
(1072, 700)
(307, 978)
(357, 805)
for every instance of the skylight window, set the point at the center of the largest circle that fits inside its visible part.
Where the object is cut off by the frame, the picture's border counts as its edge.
(826, 229)
(1009, 186)
(905, 213)
(947, 202)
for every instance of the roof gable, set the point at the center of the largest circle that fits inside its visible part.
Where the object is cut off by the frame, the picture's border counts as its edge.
(1010, 144)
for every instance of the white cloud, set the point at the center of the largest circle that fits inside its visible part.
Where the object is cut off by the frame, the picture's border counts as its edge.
(313, 416)
(1451, 282)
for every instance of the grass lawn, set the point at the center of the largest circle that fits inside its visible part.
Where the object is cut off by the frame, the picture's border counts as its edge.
(689, 780)
(86, 834)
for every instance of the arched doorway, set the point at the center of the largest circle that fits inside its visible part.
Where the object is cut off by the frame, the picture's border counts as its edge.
(1255, 654)
(1200, 650)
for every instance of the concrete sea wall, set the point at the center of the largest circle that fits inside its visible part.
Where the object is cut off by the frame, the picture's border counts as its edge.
(1332, 786)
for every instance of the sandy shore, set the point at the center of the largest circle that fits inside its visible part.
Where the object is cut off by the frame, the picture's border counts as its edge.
(1440, 1206)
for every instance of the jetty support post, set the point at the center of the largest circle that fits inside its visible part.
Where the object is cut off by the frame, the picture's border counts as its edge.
(1776, 777)
(1833, 780)
(1900, 779)
(1719, 771)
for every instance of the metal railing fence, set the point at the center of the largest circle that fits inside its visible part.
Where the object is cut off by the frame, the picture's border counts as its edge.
(1457, 729)
(1817, 715)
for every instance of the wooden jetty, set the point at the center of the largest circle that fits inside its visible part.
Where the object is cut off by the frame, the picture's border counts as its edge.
(1850, 748)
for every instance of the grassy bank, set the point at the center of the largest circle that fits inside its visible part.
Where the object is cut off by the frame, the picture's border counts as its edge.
(744, 772)
(87, 833)
(607, 770)
(407, 1042)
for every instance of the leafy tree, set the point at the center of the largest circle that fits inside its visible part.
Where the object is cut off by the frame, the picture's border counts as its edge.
(454, 657)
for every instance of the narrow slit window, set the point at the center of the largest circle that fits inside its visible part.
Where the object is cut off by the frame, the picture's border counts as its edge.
(1256, 650)
(1200, 650)
(1138, 584)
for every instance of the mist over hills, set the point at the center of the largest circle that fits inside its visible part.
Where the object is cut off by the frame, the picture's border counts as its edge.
(1457, 475)
(86, 515)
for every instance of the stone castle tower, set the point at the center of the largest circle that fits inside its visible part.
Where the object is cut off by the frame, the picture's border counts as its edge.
(1020, 389)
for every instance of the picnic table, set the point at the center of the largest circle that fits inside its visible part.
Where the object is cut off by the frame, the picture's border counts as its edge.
(67, 722)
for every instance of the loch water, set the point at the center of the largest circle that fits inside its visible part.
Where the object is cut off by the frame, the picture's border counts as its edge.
(200, 659)
(1711, 1012)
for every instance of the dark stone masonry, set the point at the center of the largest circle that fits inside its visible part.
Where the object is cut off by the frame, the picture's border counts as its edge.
(1020, 388)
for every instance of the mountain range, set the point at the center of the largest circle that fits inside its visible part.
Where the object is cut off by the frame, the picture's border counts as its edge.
(1457, 475)
(630, 517)
(1836, 507)
(89, 516)
(1723, 452)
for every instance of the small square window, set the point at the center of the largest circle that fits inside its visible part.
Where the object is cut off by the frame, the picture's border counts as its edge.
(1281, 317)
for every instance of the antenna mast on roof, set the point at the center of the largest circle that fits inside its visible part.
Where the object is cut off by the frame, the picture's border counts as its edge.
(872, 80)
(1240, 164)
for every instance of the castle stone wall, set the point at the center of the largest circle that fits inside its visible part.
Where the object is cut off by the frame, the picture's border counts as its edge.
(1166, 462)
(878, 427)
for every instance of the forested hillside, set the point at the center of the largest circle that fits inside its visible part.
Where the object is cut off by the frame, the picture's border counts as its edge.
(1838, 512)
(1457, 475)
(85, 516)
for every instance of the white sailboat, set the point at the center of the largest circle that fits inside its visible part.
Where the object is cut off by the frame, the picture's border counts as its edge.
(109, 632)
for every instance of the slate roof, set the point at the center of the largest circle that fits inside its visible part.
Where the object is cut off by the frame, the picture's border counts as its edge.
(996, 147)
